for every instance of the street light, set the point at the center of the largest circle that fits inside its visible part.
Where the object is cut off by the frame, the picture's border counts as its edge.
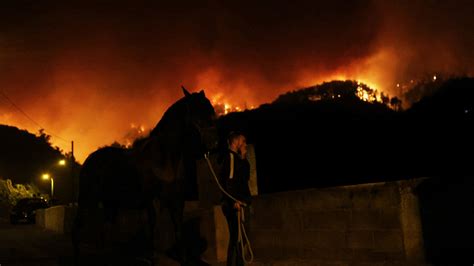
(46, 177)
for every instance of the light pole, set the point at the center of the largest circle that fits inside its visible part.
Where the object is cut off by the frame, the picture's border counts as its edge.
(73, 200)
(46, 177)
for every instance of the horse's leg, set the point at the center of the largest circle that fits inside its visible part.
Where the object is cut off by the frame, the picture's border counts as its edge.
(106, 242)
(83, 228)
(87, 208)
(75, 233)
(176, 209)
(151, 216)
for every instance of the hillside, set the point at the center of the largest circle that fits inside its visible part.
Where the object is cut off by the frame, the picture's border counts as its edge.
(301, 142)
(25, 157)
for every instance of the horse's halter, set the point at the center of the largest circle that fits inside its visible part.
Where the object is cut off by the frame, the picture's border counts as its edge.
(203, 131)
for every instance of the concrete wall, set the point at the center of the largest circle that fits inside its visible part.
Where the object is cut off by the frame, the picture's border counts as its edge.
(371, 223)
(57, 218)
(40, 217)
(213, 227)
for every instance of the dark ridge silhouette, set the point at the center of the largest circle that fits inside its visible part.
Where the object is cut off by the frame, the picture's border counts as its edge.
(446, 217)
(452, 100)
(425, 86)
(309, 138)
(440, 126)
(324, 91)
(25, 156)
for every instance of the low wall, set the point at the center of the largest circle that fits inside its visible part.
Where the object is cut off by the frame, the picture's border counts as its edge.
(371, 223)
(57, 218)
(40, 218)
(129, 223)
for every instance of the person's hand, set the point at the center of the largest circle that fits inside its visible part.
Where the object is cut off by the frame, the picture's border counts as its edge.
(237, 206)
(243, 151)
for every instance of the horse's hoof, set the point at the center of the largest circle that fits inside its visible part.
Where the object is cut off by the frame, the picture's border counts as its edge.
(202, 263)
(144, 262)
(173, 254)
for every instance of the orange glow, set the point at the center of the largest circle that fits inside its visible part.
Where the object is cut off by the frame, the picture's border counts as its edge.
(134, 133)
(79, 109)
(75, 111)
(111, 69)
(224, 107)
(227, 97)
(372, 82)
(363, 95)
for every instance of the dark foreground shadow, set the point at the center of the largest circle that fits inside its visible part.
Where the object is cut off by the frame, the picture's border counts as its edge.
(447, 216)
(194, 244)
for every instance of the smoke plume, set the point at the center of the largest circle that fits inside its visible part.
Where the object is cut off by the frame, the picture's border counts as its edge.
(93, 72)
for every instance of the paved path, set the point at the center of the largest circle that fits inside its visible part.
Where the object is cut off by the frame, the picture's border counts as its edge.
(26, 244)
(30, 245)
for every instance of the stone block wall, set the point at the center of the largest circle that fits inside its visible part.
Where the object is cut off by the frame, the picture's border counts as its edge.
(371, 223)
(337, 224)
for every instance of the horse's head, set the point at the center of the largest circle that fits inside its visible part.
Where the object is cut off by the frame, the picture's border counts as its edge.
(201, 119)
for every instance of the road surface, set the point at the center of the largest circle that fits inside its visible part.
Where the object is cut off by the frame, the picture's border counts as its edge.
(30, 245)
(26, 244)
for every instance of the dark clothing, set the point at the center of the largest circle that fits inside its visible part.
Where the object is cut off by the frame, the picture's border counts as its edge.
(234, 249)
(237, 186)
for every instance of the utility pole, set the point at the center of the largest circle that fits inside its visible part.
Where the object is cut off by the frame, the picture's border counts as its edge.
(73, 192)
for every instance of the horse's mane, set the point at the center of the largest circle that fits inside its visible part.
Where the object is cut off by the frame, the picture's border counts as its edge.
(169, 117)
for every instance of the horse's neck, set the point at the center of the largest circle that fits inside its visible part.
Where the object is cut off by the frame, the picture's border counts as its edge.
(172, 136)
(160, 156)
(170, 141)
(169, 136)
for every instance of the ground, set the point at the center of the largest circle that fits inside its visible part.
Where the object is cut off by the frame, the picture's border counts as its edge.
(30, 245)
(27, 244)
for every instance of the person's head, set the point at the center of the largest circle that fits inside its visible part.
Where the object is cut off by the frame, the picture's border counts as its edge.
(237, 142)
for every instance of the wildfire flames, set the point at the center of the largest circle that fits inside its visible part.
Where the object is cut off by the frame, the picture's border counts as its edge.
(122, 63)
(224, 106)
(223, 102)
(369, 95)
(135, 132)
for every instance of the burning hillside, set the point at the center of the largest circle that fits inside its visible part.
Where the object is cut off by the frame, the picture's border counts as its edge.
(122, 62)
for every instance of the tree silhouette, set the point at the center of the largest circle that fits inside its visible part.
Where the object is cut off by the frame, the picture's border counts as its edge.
(307, 138)
(396, 104)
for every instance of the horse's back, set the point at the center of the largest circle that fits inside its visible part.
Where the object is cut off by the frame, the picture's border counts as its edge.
(109, 175)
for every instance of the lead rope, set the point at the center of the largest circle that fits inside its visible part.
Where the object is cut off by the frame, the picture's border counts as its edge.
(246, 248)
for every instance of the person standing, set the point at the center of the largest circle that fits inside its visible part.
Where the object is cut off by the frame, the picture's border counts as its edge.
(234, 178)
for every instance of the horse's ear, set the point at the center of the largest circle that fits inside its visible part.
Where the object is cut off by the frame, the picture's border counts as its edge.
(185, 91)
(202, 93)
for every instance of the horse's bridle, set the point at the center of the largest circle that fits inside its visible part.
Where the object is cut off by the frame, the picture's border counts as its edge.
(203, 132)
(195, 125)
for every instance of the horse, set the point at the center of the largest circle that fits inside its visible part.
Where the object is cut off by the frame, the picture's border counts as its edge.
(114, 179)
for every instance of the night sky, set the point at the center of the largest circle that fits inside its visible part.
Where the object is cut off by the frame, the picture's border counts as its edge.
(87, 70)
